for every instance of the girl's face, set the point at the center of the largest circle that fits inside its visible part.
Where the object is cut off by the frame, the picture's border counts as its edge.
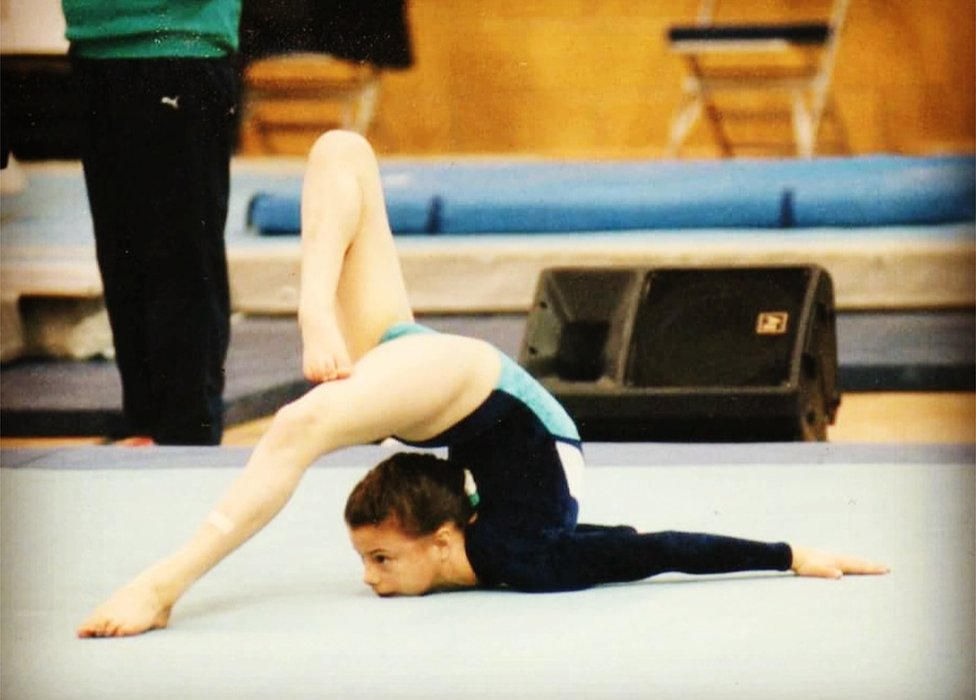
(395, 563)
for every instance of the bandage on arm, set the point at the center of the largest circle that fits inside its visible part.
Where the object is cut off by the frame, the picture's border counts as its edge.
(221, 522)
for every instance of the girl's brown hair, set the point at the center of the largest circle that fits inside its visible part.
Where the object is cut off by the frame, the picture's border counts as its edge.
(421, 491)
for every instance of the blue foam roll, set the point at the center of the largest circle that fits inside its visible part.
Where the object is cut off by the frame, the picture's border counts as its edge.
(277, 214)
(550, 197)
(869, 191)
(884, 191)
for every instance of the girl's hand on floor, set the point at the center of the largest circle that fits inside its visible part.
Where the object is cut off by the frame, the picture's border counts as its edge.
(811, 562)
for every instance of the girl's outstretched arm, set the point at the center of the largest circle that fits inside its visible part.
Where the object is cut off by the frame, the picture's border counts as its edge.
(594, 555)
(812, 562)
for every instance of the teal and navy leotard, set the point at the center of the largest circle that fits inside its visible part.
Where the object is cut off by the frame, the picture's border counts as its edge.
(524, 453)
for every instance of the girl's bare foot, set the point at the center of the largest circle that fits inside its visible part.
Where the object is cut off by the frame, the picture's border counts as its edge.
(324, 353)
(133, 609)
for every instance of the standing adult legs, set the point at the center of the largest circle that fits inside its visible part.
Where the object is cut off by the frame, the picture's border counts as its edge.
(157, 174)
(187, 295)
(113, 112)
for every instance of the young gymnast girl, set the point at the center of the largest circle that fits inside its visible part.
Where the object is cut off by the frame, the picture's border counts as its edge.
(501, 511)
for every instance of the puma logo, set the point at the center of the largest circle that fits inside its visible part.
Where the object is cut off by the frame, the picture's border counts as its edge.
(173, 102)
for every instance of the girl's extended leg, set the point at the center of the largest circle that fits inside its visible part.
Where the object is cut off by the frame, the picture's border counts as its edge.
(414, 387)
(352, 287)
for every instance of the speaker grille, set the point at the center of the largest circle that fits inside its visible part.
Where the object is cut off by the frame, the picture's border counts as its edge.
(731, 328)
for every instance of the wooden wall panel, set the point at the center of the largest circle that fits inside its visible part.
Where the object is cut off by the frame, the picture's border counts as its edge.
(588, 78)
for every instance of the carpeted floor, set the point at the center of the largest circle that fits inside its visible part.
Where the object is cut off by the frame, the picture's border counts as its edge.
(891, 351)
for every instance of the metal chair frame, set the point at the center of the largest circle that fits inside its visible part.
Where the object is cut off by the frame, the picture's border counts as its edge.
(806, 86)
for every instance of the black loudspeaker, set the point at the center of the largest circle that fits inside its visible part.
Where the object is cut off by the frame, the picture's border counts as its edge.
(688, 354)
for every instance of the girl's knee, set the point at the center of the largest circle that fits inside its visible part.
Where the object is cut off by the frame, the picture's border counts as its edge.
(339, 146)
(295, 424)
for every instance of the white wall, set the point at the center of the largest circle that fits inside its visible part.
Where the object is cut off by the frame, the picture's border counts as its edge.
(32, 26)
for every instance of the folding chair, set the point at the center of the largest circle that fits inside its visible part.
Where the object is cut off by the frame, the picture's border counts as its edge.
(306, 93)
(790, 58)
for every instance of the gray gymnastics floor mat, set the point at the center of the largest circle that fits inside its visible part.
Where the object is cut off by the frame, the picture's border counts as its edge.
(287, 616)
(894, 351)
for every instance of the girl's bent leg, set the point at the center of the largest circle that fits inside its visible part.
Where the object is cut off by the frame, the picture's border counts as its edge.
(352, 285)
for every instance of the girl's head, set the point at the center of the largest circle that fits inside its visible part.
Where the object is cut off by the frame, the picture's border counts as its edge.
(406, 518)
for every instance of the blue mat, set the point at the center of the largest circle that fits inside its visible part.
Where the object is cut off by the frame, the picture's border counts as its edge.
(552, 197)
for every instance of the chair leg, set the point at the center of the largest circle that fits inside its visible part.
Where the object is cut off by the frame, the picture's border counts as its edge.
(683, 122)
(368, 99)
(804, 129)
(697, 87)
(832, 114)
(718, 129)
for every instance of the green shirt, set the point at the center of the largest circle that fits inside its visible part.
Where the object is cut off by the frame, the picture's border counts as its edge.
(152, 28)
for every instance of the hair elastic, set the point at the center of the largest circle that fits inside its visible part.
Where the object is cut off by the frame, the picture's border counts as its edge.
(471, 489)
